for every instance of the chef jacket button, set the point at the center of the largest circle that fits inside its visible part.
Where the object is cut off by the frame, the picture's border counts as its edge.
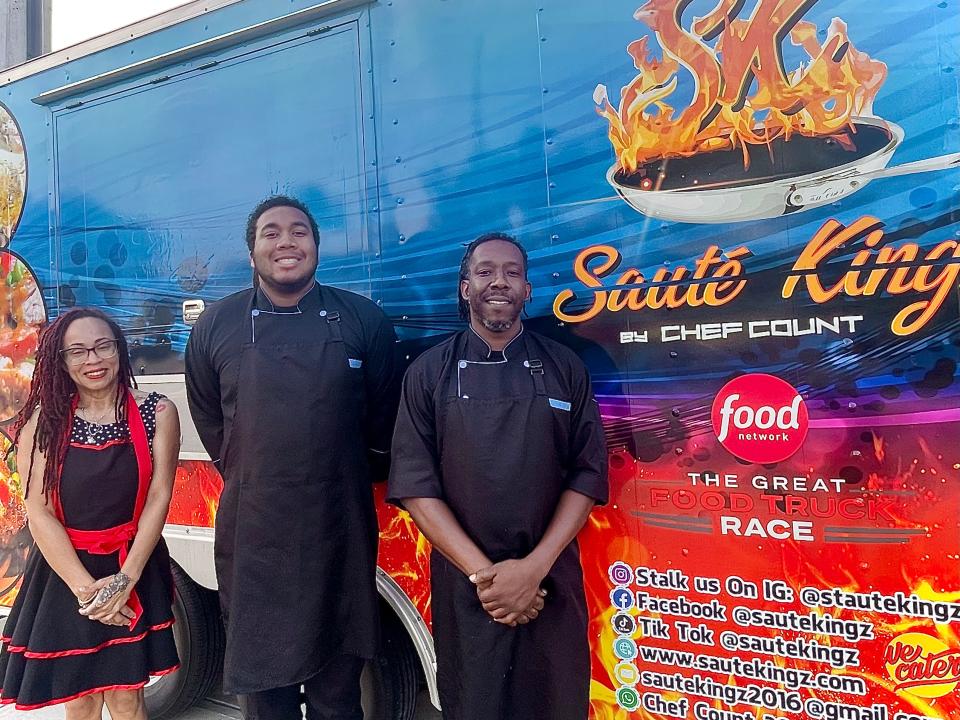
(255, 313)
(463, 363)
(466, 397)
(323, 313)
(526, 363)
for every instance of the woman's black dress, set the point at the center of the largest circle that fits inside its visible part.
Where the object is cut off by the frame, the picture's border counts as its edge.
(51, 653)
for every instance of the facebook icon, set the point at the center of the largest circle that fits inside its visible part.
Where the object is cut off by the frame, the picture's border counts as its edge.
(621, 598)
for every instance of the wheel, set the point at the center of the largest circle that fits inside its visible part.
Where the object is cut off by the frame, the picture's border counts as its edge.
(391, 681)
(198, 632)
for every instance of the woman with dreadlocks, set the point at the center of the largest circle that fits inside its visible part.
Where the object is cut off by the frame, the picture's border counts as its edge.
(93, 618)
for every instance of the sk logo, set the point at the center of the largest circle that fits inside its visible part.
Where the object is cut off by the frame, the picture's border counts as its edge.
(628, 699)
(624, 624)
(626, 673)
(621, 598)
(625, 648)
(620, 573)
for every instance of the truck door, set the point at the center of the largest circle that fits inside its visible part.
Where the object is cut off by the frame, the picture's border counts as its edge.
(154, 177)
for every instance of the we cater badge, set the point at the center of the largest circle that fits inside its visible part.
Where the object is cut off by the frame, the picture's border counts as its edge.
(760, 418)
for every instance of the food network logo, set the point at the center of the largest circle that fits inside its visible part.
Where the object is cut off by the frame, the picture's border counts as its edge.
(760, 418)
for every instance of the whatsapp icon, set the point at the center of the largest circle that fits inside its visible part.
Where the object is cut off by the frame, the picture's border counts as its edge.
(628, 699)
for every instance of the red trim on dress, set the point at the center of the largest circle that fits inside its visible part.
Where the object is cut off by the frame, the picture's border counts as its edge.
(105, 688)
(33, 655)
(109, 443)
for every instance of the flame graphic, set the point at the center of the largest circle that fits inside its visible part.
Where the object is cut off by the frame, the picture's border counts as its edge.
(742, 93)
(918, 475)
(404, 552)
(196, 494)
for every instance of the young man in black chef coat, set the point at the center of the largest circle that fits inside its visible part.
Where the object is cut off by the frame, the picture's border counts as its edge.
(290, 385)
(499, 456)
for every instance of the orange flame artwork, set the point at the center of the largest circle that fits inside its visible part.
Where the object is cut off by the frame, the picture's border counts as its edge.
(870, 654)
(743, 94)
(196, 494)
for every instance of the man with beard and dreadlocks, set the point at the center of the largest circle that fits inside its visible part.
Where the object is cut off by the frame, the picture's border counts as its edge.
(499, 456)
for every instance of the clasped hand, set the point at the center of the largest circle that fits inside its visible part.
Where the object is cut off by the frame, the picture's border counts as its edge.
(114, 610)
(510, 591)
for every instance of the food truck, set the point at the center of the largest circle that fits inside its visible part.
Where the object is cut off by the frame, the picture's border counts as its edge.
(742, 214)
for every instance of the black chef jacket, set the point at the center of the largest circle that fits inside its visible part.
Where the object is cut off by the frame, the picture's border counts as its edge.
(500, 437)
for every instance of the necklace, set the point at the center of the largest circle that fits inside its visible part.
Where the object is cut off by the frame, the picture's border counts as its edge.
(91, 438)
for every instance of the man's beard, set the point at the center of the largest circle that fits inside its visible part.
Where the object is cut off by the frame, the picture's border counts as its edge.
(288, 288)
(498, 325)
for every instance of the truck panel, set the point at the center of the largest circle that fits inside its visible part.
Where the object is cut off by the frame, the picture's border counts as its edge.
(755, 250)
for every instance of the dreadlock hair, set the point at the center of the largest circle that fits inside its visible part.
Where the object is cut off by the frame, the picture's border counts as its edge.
(463, 305)
(52, 393)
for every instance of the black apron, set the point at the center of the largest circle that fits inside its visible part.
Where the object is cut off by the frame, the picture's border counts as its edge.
(502, 451)
(296, 532)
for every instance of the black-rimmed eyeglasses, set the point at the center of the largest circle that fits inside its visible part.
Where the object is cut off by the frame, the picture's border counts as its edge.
(76, 356)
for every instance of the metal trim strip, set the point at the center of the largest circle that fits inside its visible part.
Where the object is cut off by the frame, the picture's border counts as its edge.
(149, 25)
(416, 628)
(204, 47)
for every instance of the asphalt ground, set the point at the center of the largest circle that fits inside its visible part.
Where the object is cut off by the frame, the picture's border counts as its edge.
(209, 709)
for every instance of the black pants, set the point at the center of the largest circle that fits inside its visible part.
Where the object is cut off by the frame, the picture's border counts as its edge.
(332, 694)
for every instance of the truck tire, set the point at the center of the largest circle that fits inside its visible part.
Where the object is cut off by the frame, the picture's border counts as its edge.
(391, 681)
(198, 632)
